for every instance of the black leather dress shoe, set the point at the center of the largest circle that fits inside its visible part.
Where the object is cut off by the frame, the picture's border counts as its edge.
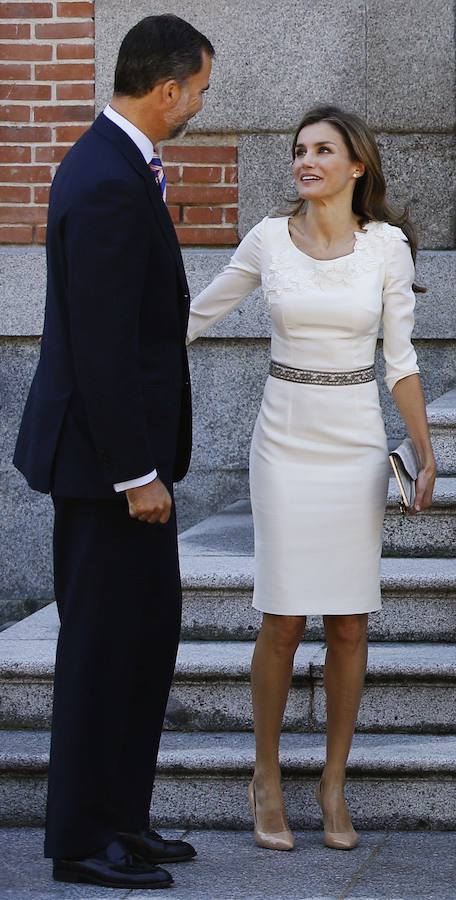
(155, 849)
(113, 867)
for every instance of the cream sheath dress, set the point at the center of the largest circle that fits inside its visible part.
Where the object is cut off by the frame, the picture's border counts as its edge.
(319, 462)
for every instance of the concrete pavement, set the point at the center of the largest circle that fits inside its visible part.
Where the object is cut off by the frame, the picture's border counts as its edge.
(387, 865)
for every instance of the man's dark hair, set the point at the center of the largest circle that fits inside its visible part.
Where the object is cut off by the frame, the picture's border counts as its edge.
(158, 48)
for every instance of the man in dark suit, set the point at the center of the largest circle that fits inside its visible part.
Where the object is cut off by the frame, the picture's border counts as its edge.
(106, 430)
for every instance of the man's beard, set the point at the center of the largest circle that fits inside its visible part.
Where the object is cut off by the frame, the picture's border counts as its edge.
(178, 130)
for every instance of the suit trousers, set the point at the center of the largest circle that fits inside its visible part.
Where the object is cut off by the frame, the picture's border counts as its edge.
(118, 592)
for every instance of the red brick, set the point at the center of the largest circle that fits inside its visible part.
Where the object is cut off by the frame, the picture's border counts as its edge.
(39, 234)
(61, 113)
(172, 174)
(199, 154)
(202, 174)
(174, 212)
(14, 32)
(26, 51)
(14, 194)
(25, 91)
(231, 215)
(28, 134)
(64, 30)
(12, 72)
(206, 196)
(23, 215)
(15, 154)
(69, 133)
(203, 215)
(65, 72)
(231, 175)
(41, 194)
(19, 234)
(26, 11)
(75, 10)
(52, 154)
(75, 91)
(26, 174)
(213, 236)
(75, 51)
(14, 113)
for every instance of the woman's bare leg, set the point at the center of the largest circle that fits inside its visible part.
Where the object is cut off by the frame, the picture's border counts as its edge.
(272, 668)
(345, 669)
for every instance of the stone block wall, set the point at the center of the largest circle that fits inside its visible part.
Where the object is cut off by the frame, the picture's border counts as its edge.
(394, 65)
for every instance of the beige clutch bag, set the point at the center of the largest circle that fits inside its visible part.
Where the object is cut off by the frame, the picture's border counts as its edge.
(406, 464)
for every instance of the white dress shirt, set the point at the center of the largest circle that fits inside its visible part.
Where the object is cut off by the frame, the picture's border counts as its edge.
(145, 145)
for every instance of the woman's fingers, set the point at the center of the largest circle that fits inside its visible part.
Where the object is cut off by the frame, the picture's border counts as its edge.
(424, 489)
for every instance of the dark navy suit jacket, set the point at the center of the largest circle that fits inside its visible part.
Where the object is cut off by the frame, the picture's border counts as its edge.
(110, 400)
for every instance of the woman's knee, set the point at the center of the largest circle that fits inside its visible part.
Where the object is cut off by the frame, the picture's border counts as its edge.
(284, 632)
(348, 631)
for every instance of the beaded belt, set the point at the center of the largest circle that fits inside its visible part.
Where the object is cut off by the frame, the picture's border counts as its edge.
(306, 376)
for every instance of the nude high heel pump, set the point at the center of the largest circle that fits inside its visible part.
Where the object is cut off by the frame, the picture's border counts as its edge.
(337, 840)
(280, 840)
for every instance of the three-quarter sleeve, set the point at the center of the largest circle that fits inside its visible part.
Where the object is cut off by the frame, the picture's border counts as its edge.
(398, 309)
(239, 278)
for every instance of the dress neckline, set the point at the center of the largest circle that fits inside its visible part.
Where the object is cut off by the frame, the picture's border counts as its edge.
(357, 235)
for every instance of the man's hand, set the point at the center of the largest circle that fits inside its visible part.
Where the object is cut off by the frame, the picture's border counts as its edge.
(150, 503)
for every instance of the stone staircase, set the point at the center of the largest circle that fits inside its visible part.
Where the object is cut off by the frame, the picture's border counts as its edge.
(402, 769)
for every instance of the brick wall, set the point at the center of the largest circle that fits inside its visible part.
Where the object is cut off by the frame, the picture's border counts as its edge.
(47, 91)
(202, 192)
(46, 102)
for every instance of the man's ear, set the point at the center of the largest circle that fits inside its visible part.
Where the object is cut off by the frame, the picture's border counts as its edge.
(170, 92)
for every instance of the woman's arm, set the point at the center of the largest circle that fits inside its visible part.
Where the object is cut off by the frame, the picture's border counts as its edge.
(402, 376)
(239, 278)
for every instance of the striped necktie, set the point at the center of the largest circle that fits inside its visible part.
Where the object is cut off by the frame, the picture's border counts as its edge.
(156, 166)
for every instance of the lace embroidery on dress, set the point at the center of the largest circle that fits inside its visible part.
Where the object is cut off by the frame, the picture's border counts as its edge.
(283, 274)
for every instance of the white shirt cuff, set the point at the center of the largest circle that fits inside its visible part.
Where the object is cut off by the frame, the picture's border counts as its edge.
(135, 482)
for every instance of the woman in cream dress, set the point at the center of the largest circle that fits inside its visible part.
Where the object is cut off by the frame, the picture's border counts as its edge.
(331, 273)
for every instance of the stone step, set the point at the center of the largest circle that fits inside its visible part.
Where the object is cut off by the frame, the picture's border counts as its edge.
(432, 533)
(419, 600)
(442, 422)
(429, 534)
(395, 781)
(409, 687)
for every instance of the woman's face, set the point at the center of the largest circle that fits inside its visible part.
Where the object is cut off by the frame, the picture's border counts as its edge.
(322, 166)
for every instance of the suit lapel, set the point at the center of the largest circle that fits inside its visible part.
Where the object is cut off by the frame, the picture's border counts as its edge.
(130, 151)
(166, 224)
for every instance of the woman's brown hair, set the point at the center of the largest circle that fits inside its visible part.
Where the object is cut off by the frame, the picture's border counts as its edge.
(369, 197)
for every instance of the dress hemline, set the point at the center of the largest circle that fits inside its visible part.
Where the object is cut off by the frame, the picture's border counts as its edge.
(319, 612)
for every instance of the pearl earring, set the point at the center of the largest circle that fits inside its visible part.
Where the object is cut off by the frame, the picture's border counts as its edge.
(355, 174)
